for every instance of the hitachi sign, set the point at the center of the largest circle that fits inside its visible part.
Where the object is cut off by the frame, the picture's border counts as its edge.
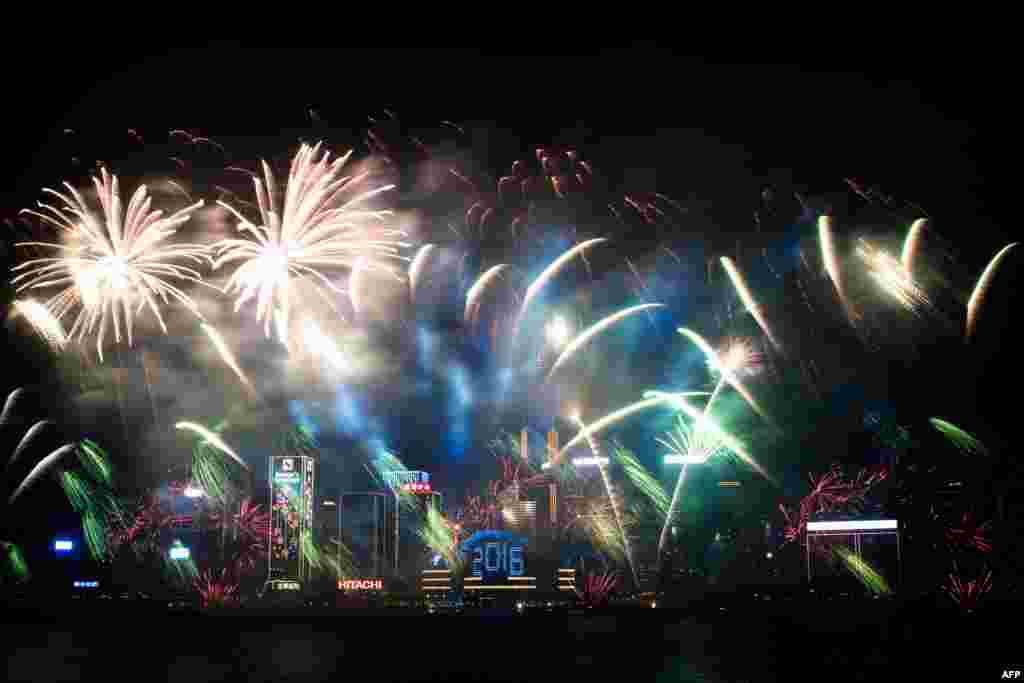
(361, 585)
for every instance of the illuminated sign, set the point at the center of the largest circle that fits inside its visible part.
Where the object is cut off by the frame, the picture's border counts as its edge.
(582, 462)
(287, 476)
(287, 465)
(361, 585)
(179, 552)
(62, 546)
(860, 525)
(286, 586)
(86, 584)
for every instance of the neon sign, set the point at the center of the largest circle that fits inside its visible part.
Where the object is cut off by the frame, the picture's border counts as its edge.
(361, 585)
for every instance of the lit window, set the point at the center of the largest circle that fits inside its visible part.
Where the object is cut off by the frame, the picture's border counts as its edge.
(492, 558)
(515, 561)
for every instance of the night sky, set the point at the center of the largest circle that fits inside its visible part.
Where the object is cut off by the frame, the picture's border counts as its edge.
(711, 136)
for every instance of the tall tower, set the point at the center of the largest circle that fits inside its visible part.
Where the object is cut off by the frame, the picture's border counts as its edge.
(553, 487)
(292, 499)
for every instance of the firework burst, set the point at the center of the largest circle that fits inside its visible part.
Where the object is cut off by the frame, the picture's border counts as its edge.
(312, 230)
(113, 264)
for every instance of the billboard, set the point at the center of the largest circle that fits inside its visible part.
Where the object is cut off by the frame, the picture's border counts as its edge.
(292, 490)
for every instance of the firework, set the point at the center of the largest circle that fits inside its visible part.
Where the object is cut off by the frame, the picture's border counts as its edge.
(34, 431)
(748, 299)
(212, 439)
(893, 277)
(13, 561)
(12, 398)
(550, 272)
(474, 293)
(95, 461)
(321, 345)
(41, 468)
(867, 574)
(419, 262)
(595, 330)
(310, 232)
(703, 422)
(970, 534)
(978, 295)
(910, 245)
(597, 589)
(726, 368)
(113, 265)
(963, 440)
(588, 431)
(214, 590)
(644, 481)
(968, 594)
(440, 536)
(831, 260)
(227, 356)
(611, 496)
(43, 322)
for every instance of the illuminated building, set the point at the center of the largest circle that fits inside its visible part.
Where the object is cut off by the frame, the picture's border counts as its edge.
(292, 495)
(362, 529)
(498, 562)
(412, 493)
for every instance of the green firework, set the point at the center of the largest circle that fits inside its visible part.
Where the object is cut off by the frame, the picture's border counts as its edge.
(649, 487)
(864, 572)
(95, 462)
(966, 442)
(14, 566)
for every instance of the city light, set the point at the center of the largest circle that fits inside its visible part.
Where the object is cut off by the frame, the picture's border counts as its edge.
(63, 546)
(180, 552)
(729, 484)
(86, 584)
(675, 459)
(193, 491)
(855, 525)
(589, 462)
(768, 556)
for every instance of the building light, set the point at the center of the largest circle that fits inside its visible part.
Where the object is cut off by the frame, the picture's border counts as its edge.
(546, 466)
(675, 459)
(193, 491)
(854, 525)
(180, 552)
(63, 545)
(86, 584)
(729, 484)
(589, 462)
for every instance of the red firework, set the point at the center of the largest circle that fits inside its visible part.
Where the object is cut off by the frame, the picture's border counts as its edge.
(829, 493)
(216, 590)
(968, 594)
(970, 534)
(597, 589)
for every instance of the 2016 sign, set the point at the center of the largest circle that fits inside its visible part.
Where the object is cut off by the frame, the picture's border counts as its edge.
(361, 585)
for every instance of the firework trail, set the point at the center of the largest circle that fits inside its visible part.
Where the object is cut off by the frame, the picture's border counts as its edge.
(893, 277)
(867, 574)
(831, 260)
(114, 264)
(211, 438)
(727, 370)
(748, 299)
(26, 440)
(310, 233)
(43, 322)
(321, 345)
(702, 421)
(963, 440)
(591, 430)
(95, 462)
(228, 357)
(611, 496)
(978, 295)
(595, 330)
(12, 398)
(419, 262)
(41, 468)
(650, 487)
(550, 272)
(910, 245)
(474, 293)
